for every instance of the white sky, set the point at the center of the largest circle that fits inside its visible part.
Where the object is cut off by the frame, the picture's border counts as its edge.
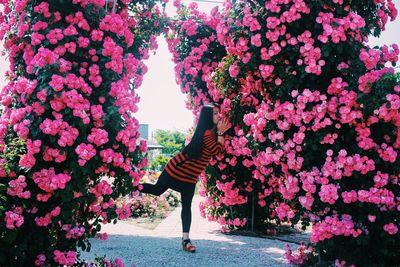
(162, 104)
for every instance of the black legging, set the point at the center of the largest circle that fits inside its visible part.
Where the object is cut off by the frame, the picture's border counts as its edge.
(164, 182)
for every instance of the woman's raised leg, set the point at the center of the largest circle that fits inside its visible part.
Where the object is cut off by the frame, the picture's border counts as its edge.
(155, 189)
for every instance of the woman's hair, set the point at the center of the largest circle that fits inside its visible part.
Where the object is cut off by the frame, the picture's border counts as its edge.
(195, 147)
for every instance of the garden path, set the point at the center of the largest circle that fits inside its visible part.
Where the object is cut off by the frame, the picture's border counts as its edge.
(137, 246)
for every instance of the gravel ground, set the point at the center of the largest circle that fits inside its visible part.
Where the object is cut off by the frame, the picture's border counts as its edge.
(137, 246)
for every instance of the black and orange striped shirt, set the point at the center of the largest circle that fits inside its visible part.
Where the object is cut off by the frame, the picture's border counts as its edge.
(187, 170)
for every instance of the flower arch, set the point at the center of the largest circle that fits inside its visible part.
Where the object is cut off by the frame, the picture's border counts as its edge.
(314, 111)
(68, 130)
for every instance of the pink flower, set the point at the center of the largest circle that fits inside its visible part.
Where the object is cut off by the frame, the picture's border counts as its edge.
(114, 23)
(298, 258)
(57, 82)
(83, 42)
(73, 232)
(381, 179)
(266, 70)
(284, 211)
(328, 193)
(143, 145)
(54, 36)
(16, 188)
(234, 70)
(370, 58)
(306, 201)
(44, 57)
(13, 220)
(124, 212)
(102, 188)
(332, 226)
(349, 197)
(102, 236)
(65, 258)
(371, 218)
(48, 181)
(98, 136)
(40, 260)
(54, 154)
(256, 40)
(85, 152)
(43, 8)
(391, 228)
(70, 31)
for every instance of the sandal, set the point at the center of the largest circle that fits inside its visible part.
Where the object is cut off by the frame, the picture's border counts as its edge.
(188, 246)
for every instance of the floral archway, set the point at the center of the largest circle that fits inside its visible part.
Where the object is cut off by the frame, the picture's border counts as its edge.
(314, 112)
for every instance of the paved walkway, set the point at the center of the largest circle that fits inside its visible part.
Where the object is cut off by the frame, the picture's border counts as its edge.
(137, 246)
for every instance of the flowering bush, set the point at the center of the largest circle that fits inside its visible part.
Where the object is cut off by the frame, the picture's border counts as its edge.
(67, 122)
(100, 262)
(300, 257)
(314, 112)
(197, 52)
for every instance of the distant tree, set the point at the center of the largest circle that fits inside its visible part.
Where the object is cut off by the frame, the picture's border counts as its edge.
(172, 141)
(158, 163)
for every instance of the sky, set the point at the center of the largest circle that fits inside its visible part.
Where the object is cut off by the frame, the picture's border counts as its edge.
(162, 104)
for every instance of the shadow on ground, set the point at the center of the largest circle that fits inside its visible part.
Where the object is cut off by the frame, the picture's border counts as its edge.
(167, 251)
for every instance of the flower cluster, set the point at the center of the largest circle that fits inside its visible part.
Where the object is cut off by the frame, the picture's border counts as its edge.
(70, 97)
(314, 113)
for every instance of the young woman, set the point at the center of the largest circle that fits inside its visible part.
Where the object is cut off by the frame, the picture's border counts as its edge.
(182, 171)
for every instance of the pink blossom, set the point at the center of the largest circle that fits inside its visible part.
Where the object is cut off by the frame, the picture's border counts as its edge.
(284, 211)
(391, 228)
(233, 70)
(266, 70)
(256, 40)
(16, 188)
(48, 181)
(85, 152)
(65, 258)
(13, 220)
(40, 260)
(98, 136)
(44, 57)
(328, 193)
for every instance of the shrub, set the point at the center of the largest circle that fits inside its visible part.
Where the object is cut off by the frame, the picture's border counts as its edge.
(67, 122)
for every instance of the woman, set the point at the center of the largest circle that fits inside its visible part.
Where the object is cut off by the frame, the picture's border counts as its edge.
(182, 171)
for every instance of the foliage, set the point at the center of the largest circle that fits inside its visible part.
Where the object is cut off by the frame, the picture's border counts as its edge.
(158, 163)
(67, 126)
(314, 110)
(172, 141)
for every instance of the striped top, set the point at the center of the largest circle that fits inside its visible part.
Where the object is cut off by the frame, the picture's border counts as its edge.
(187, 170)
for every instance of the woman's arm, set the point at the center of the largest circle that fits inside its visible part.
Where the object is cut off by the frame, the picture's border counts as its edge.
(222, 127)
(221, 139)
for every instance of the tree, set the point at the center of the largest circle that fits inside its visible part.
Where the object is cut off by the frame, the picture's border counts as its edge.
(68, 122)
(315, 118)
(172, 141)
(158, 163)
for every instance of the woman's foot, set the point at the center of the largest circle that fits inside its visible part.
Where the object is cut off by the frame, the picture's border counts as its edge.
(188, 246)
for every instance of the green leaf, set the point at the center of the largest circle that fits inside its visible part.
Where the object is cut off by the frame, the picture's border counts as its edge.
(10, 237)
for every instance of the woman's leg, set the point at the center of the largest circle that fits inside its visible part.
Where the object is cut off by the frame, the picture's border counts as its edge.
(158, 188)
(187, 192)
(186, 214)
